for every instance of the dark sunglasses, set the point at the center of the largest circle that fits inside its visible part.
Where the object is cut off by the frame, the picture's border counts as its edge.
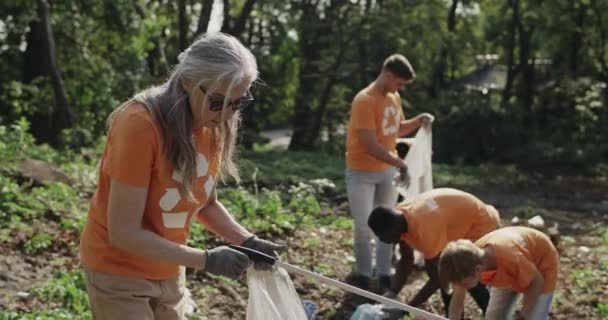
(216, 102)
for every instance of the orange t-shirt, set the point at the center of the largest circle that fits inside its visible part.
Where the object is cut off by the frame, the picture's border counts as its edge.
(520, 252)
(134, 156)
(380, 113)
(441, 215)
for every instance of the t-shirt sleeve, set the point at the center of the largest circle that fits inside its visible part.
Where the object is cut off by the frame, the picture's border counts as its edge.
(523, 271)
(129, 154)
(362, 116)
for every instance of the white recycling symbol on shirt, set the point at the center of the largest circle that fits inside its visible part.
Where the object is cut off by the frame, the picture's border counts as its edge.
(390, 121)
(172, 197)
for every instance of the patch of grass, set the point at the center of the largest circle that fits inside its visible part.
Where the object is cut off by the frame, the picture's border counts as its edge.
(208, 291)
(602, 310)
(68, 289)
(341, 223)
(584, 279)
(17, 204)
(54, 314)
(468, 176)
(324, 269)
(273, 210)
(312, 243)
(198, 235)
(288, 167)
(38, 243)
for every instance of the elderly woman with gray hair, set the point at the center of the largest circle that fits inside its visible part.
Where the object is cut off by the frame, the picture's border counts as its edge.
(165, 148)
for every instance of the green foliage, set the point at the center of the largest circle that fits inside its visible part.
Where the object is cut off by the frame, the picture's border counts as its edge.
(22, 203)
(584, 279)
(276, 166)
(602, 310)
(108, 51)
(68, 289)
(54, 314)
(18, 204)
(38, 243)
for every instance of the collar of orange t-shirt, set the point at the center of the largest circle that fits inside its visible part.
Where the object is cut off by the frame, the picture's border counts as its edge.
(487, 276)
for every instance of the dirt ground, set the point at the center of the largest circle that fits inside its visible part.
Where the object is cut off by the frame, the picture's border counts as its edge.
(580, 208)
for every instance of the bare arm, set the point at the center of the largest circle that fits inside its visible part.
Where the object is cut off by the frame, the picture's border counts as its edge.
(430, 286)
(125, 213)
(408, 126)
(457, 303)
(368, 138)
(532, 293)
(403, 267)
(216, 218)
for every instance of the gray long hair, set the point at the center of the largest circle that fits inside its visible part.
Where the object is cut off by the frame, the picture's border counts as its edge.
(211, 61)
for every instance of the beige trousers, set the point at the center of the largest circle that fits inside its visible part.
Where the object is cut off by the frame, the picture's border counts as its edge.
(115, 297)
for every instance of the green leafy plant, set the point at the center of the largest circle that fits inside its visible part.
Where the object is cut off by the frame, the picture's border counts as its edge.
(68, 289)
(38, 243)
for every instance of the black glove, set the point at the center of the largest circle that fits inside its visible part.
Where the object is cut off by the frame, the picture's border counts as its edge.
(225, 261)
(263, 246)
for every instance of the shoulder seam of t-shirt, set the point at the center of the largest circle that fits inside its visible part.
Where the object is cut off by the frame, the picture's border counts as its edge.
(137, 114)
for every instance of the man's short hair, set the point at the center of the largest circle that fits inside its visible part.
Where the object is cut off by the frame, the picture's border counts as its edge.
(381, 219)
(458, 261)
(400, 66)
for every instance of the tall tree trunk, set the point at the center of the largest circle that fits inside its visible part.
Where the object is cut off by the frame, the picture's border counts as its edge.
(34, 63)
(237, 28)
(111, 15)
(241, 21)
(600, 48)
(183, 25)
(157, 61)
(309, 76)
(205, 17)
(510, 51)
(61, 116)
(526, 64)
(577, 39)
(362, 44)
(308, 115)
(439, 73)
(227, 22)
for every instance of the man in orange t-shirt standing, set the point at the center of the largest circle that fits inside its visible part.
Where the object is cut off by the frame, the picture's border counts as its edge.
(513, 261)
(376, 120)
(427, 223)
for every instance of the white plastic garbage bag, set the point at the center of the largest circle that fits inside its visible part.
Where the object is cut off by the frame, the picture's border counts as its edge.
(420, 170)
(419, 164)
(272, 296)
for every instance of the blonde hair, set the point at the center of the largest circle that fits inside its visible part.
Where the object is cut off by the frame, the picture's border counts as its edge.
(458, 261)
(211, 61)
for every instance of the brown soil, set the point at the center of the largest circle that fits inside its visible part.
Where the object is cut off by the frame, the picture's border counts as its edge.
(327, 251)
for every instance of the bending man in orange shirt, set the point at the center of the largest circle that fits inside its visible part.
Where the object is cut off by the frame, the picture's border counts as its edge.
(513, 261)
(427, 223)
(376, 120)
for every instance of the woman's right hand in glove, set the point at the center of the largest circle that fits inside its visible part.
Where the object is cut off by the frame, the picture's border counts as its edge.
(225, 261)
